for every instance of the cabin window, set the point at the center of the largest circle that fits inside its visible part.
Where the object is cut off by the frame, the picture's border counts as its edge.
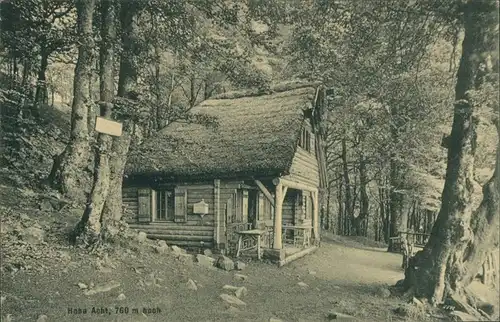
(305, 140)
(165, 205)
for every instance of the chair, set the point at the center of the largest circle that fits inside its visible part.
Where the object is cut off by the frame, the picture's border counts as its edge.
(267, 237)
(302, 237)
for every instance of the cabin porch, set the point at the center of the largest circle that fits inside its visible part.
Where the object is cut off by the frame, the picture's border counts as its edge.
(257, 243)
(291, 232)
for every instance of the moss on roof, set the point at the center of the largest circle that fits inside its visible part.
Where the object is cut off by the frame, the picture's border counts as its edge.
(256, 135)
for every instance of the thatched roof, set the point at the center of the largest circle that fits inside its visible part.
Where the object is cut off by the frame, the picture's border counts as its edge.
(256, 135)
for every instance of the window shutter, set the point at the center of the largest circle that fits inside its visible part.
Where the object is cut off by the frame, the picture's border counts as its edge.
(144, 201)
(180, 201)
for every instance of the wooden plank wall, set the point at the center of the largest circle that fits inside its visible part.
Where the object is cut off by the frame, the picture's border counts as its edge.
(266, 209)
(130, 203)
(189, 234)
(289, 207)
(228, 189)
(198, 229)
(195, 195)
(196, 232)
(304, 168)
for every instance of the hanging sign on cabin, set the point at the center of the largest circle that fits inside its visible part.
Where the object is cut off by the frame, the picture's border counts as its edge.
(105, 126)
(200, 208)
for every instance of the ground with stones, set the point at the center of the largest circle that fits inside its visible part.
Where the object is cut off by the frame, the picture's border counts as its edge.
(136, 279)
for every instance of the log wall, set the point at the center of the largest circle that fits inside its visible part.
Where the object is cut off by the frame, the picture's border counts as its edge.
(188, 234)
(130, 204)
(304, 168)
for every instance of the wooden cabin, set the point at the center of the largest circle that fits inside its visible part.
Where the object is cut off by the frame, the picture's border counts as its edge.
(257, 163)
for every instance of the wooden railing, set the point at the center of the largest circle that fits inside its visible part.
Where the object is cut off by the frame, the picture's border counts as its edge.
(416, 239)
(490, 269)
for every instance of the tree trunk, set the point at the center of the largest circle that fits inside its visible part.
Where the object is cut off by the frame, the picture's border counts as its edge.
(41, 96)
(89, 227)
(359, 222)
(159, 111)
(327, 210)
(127, 85)
(459, 240)
(485, 226)
(91, 113)
(69, 166)
(340, 222)
(347, 187)
(381, 195)
(53, 94)
(395, 201)
(192, 92)
(26, 73)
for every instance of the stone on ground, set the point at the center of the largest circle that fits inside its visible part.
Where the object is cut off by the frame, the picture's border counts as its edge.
(240, 292)
(103, 288)
(207, 252)
(240, 277)
(417, 302)
(46, 205)
(230, 299)
(225, 263)
(205, 261)
(191, 285)
(42, 318)
(121, 297)
(33, 235)
(383, 292)
(239, 265)
(177, 250)
(230, 287)
(332, 315)
(275, 320)
(82, 286)
(161, 249)
(302, 284)
(65, 256)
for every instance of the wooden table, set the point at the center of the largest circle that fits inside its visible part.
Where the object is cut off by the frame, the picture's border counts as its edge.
(247, 237)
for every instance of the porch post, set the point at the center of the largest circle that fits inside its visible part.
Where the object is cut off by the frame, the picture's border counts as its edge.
(278, 206)
(315, 196)
(218, 216)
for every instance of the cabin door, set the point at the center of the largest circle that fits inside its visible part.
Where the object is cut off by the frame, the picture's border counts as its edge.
(236, 220)
(252, 207)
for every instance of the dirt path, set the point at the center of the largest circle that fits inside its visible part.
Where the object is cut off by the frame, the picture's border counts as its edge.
(349, 263)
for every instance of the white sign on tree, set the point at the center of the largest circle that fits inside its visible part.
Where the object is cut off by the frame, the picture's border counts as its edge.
(105, 126)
